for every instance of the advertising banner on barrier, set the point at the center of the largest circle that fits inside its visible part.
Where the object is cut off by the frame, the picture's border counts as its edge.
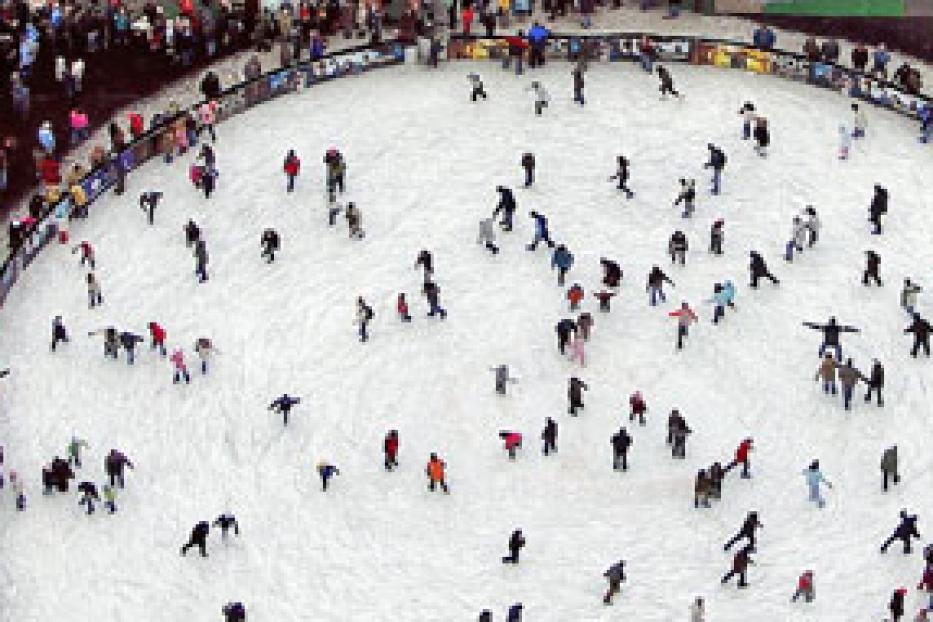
(730, 56)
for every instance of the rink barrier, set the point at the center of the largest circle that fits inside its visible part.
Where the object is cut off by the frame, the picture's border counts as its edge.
(727, 54)
(612, 47)
(158, 141)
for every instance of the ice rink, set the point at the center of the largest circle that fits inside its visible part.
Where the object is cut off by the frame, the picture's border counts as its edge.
(423, 163)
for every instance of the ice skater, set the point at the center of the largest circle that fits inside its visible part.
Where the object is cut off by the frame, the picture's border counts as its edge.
(889, 468)
(621, 441)
(432, 294)
(148, 202)
(878, 208)
(506, 206)
(234, 612)
(575, 389)
(804, 588)
(622, 175)
(115, 464)
(503, 378)
(87, 254)
(326, 471)
(200, 260)
(723, 296)
(872, 266)
(180, 369)
(717, 162)
(94, 296)
(747, 112)
(685, 317)
(198, 538)
(542, 234)
(59, 333)
(425, 260)
(564, 329)
(390, 450)
(512, 442)
(89, 495)
(740, 564)
(831, 333)
(354, 221)
(487, 235)
(401, 306)
(905, 531)
(516, 544)
(562, 261)
(655, 285)
(549, 436)
(677, 247)
(577, 74)
(921, 329)
(157, 336)
(758, 270)
(637, 407)
(364, 315)
(845, 142)
(687, 196)
(748, 531)
(716, 236)
(909, 294)
(814, 477)
(798, 236)
(528, 165)
(667, 83)
(226, 522)
(616, 576)
(476, 87)
(283, 404)
(612, 272)
(436, 472)
(269, 241)
(541, 97)
(291, 167)
(742, 457)
(762, 136)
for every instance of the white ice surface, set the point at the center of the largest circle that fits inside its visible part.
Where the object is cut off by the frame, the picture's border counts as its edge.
(423, 164)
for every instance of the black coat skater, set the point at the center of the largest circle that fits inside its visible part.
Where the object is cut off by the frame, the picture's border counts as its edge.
(516, 544)
(575, 388)
(270, 243)
(506, 206)
(565, 328)
(758, 269)
(749, 527)
(549, 436)
(905, 532)
(921, 330)
(198, 538)
(612, 272)
(872, 265)
(621, 441)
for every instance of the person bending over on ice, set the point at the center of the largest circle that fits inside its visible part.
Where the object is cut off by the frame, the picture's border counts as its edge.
(667, 83)
(198, 538)
(284, 404)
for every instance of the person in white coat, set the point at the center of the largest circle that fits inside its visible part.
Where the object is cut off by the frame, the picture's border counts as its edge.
(698, 610)
(798, 236)
(859, 122)
(487, 235)
(542, 97)
(77, 73)
(813, 225)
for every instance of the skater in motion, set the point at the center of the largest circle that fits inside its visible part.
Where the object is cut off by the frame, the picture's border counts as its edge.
(234, 612)
(577, 74)
(177, 359)
(762, 136)
(655, 285)
(575, 389)
(804, 588)
(291, 167)
(516, 544)
(637, 407)
(747, 112)
(667, 83)
(677, 432)
(269, 243)
(814, 477)
(889, 467)
(723, 295)
(87, 254)
(364, 315)
(872, 266)
(506, 206)
(685, 317)
(200, 260)
(115, 464)
(716, 236)
(542, 97)
(742, 456)
(192, 233)
(562, 260)
(549, 436)
(198, 538)
(564, 329)
(89, 495)
(75, 445)
(94, 296)
(878, 208)
(432, 293)
(677, 247)
(502, 378)
(687, 196)
(542, 233)
(425, 260)
(336, 169)
(283, 405)
(615, 575)
(750, 527)
(512, 442)
(896, 606)
(798, 236)
(326, 471)
(740, 564)
(831, 332)
(759, 270)
(148, 202)
(487, 235)
(59, 333)
(612, 273)
(436, 472)
(157, 336)
(909, 294)
(622, 175)
(476, 87)
(401, 305)
(921, 331)
(528, 164)
(905, 532)
(813, 225)
(620, 441)
(390, 450)
(717, 162)
(226, 522)
(354, 221)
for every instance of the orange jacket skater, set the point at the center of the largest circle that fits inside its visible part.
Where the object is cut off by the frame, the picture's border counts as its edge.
(436, 473)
